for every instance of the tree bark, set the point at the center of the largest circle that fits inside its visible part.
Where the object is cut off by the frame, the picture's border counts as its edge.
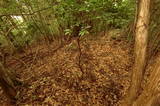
(7, 80)
(140, 50)
(151, 94)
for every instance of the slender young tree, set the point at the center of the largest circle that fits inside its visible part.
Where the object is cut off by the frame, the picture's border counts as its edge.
(141, 35)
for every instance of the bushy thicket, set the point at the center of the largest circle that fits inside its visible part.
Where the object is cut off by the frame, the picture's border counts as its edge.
(23, 21)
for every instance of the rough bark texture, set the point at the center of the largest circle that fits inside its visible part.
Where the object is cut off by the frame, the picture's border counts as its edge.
(154, 30)
(140, 50)
(151, 94)
(7, 83)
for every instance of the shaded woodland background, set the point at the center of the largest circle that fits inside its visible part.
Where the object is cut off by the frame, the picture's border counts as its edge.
(79, 52)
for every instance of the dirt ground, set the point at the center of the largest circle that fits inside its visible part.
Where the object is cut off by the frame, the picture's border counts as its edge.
(53, 77)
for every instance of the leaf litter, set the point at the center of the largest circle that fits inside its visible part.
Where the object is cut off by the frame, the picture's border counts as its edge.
(54, 79)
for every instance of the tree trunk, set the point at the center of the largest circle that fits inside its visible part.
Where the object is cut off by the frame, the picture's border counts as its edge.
(140, 50)
(7, 80)
(151, 94)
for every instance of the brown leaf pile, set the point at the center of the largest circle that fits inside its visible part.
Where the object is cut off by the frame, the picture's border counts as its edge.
(55, 79)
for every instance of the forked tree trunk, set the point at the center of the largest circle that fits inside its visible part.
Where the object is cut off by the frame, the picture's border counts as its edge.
(140, 50)
(151, 94)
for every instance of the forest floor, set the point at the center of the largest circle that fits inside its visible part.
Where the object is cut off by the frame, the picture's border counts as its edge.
(52, 77)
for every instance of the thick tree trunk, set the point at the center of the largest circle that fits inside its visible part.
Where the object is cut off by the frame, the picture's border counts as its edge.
(7, 83)
(151, 94)
(140, 50)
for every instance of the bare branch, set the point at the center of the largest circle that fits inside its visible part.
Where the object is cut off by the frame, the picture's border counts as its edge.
(17, 14)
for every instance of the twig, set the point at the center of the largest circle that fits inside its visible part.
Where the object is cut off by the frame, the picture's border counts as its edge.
(2, 15)
(34, 59)
(80, 55)
(20, 61)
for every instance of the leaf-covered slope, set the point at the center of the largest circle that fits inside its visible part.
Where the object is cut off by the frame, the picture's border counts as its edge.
(53, 78)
